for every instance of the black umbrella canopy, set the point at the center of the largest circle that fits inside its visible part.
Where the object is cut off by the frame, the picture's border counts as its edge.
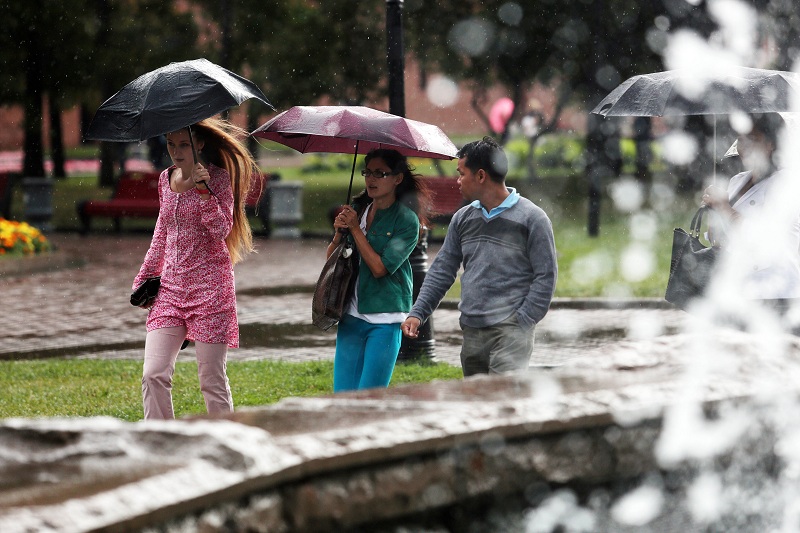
(170, 98)
(689, 92)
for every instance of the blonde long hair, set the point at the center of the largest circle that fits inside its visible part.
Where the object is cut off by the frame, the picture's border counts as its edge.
(223, 147)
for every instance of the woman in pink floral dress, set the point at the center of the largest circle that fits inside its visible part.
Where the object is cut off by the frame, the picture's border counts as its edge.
(201, 232)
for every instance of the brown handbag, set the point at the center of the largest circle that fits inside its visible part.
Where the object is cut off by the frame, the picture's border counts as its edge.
(335, 285)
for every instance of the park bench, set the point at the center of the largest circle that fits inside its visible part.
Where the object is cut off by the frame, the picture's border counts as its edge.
(136, 196)
(446, 197)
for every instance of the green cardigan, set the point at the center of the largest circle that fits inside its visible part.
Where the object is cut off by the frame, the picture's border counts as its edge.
(393, 235)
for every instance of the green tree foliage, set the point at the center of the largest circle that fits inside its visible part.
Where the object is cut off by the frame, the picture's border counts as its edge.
(582, 47)
(36, 62)
(82, 52)
(299, 52)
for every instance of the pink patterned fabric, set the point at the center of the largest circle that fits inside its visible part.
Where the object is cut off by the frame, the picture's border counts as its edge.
(188, 251)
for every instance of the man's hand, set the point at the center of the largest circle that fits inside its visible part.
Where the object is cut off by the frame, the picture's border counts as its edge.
(410, 327)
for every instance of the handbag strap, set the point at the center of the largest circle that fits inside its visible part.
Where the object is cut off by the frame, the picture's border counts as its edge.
(697, 222)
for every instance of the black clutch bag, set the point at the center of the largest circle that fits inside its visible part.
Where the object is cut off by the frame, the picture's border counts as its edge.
(147, 292)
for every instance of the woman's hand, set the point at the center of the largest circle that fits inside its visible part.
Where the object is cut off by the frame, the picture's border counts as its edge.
(200, 177)
(346, 219)
(715, 197)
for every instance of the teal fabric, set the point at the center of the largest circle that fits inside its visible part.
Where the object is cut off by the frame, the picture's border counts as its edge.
(365, 354)
(393, 235)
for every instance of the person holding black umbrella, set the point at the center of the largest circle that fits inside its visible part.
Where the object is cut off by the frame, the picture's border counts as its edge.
(201, 232)
(384, 223)
(758, 219)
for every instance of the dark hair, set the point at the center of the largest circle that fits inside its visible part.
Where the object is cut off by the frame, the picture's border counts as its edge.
(485, 154)
(769, 124)
(412, 191)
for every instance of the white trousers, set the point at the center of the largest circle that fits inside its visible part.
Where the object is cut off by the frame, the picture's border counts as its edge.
(160, 353)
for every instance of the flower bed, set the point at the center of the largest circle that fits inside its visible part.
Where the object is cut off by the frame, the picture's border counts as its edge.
(21, 239)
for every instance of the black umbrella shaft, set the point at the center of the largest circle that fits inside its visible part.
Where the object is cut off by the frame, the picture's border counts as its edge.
(352, 173)
(194, 156)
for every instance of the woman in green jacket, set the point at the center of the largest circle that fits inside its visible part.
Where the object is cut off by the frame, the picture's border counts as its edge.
(384, 223)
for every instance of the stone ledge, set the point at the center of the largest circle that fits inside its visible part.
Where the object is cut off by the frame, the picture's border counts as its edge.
(342, 461)
(46, 262)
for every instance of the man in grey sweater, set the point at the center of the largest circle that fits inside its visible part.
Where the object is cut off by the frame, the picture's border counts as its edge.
(505, 243)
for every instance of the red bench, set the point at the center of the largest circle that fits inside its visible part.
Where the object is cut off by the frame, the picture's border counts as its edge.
(136, 196)
(446, 197)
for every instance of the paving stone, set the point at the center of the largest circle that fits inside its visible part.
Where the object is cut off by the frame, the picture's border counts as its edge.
(81, 310)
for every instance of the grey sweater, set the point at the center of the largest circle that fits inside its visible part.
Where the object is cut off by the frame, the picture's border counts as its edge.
(509, 266)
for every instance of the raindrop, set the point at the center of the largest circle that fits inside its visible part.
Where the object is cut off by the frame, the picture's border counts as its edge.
(662, 196)
(591, 267)
(741, 122)
(656, 40)
(627, 195)
(607, 77)
(560, 512)
(510, 13)
(617, 290)
(643, 226)
(704, 498)
(637, 263)
(678, 147)
(442, 91)
(492, 443)
(662, 23)
(642, 327)
(638, 507)
(472, 37)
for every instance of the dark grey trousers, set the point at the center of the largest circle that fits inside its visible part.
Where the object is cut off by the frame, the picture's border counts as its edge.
(504, 347)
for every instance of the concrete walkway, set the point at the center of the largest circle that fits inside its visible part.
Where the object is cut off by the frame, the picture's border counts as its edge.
(83, 311)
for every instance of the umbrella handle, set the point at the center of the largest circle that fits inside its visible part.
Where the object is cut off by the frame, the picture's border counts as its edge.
(191, 141)
(345, 231)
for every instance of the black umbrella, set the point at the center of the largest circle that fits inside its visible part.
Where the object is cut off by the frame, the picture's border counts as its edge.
(690, 92)
(168, 99)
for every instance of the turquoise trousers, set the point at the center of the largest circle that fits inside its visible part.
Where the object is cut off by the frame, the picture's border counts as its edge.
(365, 354)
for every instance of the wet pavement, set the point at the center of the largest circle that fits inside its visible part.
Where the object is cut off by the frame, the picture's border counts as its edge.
(78, 307)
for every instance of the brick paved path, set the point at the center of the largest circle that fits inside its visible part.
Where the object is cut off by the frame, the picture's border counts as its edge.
(84, 311)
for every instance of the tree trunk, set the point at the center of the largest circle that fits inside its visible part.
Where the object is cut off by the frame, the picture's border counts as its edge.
(108, 153)
(34, 153)
(108, 157)
(604, 160)
(57, 139)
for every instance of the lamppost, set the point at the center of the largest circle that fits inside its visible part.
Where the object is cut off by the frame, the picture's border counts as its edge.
(424, 344)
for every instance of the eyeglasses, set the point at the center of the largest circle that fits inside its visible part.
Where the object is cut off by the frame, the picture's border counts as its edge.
(375, 173)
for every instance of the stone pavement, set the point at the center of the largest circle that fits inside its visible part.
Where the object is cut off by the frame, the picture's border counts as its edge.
(81, 309)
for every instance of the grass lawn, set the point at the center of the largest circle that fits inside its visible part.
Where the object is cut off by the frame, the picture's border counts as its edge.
(89, 387)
